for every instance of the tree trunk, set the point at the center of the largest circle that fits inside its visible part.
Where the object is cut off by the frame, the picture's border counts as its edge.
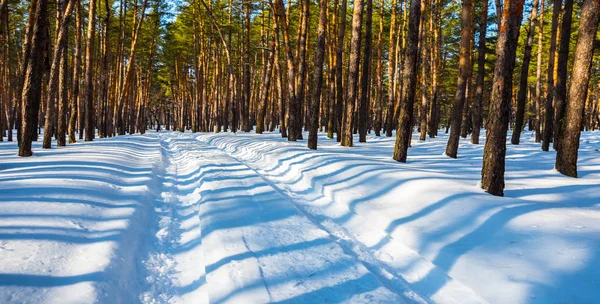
(492, 173)
(294, 116)
(352, 84)
(538, 77)
(477, 107)
(318, 76)
(522, 95)
(464, 66)
(560, 102)
(547, 136)
(74, 101)
(566, 157)
(363, 111)
(404, 132)
(32, 84)
(389, 116)
(89, 85)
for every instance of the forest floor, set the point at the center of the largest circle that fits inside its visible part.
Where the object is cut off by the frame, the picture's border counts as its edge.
(196, 218)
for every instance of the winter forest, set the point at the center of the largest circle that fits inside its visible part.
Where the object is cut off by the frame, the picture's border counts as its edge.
(299, 151)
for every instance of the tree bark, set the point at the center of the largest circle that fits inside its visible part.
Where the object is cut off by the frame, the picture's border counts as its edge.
(548, 125)
(352, 84)
(477, 107)
(74, 101)
(389, 116)
(538, 77)
(89, 85)
(566, 157)
(523, 85)
(363, 111)
(492, 173)
(32, 84)
(560, 102)
(318, 76)
(464, 66)
(403, 134)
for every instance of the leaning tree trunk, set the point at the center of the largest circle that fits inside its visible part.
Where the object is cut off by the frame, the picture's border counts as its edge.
(560, 102)
(566, 157)
(318, 77)
(464, 66)
(32, 84)
(409, 88)
(363, 110)
(547, 136)
(522, 95)
(352, 74)
(492, 173)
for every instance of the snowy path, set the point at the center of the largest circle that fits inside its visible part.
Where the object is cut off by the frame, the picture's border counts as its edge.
(221, 218)
(257, 246)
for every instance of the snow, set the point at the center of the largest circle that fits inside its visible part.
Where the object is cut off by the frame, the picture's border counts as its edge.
(209, 218)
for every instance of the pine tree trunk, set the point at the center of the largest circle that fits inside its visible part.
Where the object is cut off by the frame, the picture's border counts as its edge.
(560, 102)
(404, 132)
(477, 107)
(492, 173)
(464, 66)
(566, 157)
(548, 121)
(538, 77)
(89, 85)
(363, 111)
(318, 76)
(522, 95)
(355, 47)
(32, 84)
(389, 118)
(74, 101)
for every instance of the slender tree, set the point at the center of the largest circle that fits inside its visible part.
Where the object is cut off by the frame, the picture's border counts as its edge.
(494, 153)
(464, 68)
(477, 107)
(363, 111)
(318, 76)
(560, 102)
(523, 84)
(403, 133)
(355, 46)
(32, 83)
(566, 157)
(548, 119)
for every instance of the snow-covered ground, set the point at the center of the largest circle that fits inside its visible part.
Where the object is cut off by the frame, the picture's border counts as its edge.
(197, 218)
